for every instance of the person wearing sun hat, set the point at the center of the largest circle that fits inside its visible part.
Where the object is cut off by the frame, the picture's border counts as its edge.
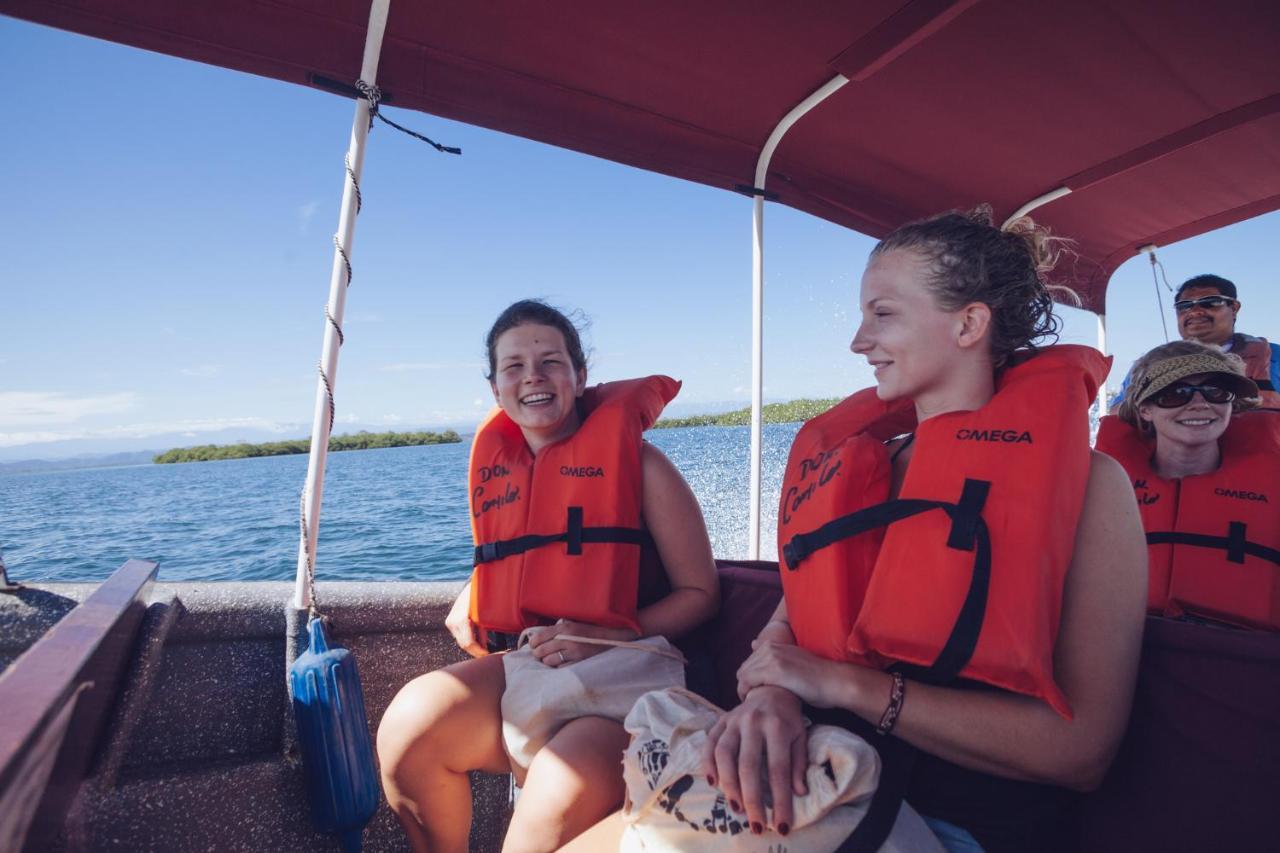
(1207, 478)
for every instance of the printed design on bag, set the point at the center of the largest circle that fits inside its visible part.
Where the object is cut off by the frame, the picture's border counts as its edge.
(669, 799)
(721, 819)
(653, 757)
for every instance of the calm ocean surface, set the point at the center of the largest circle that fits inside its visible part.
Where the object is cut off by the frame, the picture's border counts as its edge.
(397, 514)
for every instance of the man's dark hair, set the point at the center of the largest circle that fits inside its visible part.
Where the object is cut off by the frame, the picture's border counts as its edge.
(1225, 287)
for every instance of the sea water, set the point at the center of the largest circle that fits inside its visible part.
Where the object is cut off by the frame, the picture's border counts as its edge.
(394, 514)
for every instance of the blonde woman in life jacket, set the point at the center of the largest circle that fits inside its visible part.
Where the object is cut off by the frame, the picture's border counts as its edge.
(964, 578)
(630, 559)
(1206, 473)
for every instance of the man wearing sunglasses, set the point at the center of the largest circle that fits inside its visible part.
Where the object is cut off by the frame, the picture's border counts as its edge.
(1206, 307)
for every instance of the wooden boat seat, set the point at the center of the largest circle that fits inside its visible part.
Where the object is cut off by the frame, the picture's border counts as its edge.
(1199, 764)
(56, 698)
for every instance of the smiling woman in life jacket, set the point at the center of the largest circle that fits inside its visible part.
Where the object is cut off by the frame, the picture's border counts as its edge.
(555, 458)
(1207, 480)
(959, 568)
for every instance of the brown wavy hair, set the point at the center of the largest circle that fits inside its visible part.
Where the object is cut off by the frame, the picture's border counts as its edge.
(539, 312)
(971, 260)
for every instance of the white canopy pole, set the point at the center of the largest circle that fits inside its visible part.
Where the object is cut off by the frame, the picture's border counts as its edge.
(321, 424)
(1102, 348)
(757, 299)
(1038, 201)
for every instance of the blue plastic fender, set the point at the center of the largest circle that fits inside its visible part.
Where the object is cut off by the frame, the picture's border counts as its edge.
(333, 733)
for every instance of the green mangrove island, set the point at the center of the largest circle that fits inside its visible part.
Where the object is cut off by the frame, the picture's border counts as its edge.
(773, 413)
(359, 441)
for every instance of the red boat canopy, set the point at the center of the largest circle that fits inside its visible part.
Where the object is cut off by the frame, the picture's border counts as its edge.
(1161, 116)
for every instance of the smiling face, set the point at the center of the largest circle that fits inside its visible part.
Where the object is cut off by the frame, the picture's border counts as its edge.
(1197, 423)
(1207, 325)
(536, 383)
(913, 344)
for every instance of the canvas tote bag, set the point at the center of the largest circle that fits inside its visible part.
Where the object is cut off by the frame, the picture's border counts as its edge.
(540, 699)
(670, 807)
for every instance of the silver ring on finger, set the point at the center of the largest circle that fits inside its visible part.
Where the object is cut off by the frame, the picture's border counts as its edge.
(562, 658)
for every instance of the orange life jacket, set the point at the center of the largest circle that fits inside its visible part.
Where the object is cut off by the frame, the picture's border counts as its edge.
(966, 580)
(1213, 540)
(558, 535)
(1257, 357)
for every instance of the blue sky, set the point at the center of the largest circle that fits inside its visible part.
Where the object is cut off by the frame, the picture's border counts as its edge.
(167, 233)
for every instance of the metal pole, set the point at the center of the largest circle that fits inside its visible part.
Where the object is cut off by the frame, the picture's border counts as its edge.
(1038, 201)
(757, 300)
(313, 492)
(757, 370)
(1102, 348)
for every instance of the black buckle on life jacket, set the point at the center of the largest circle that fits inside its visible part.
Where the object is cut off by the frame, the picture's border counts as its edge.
(967, 514)
(487, 553)
(573, 530)
(794, 552)
(1236, 542)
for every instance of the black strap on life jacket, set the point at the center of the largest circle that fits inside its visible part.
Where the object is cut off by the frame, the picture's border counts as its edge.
(1235, 543)
(575, 535)
(969, 532)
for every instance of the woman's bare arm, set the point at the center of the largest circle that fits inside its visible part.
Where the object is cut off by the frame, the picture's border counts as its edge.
(674, 519)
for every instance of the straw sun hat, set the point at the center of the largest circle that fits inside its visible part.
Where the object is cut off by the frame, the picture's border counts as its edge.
(1228, 372)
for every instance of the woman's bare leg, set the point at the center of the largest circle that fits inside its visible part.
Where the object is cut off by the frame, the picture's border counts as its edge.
(438, 727)
(574, 781)
(605, 835)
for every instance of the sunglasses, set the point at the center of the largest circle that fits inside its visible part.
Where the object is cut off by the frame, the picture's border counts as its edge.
(1213, 303)
(1180, 393)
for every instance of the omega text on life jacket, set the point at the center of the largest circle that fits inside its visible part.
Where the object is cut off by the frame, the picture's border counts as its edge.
(581, 471)
(1241, 494)
(1008, 436)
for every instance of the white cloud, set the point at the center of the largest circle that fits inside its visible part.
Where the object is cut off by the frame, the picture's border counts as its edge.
(43, 408)
(189, 428)
(306, 213)
(203, 370)
(433, 365)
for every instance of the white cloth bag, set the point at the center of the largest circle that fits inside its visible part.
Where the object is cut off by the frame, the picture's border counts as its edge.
(540, 699)
(670, 807)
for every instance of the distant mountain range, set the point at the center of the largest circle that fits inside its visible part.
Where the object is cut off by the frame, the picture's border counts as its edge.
(88, 460)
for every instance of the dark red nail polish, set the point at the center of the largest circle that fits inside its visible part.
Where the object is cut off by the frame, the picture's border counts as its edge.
(783, 829)
(733, 804)
(756, 828)
(711, 780)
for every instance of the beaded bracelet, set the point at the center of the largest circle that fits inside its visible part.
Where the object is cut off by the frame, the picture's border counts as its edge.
(890, 715)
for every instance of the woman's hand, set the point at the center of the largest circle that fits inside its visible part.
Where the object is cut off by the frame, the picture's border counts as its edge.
(459, 624)
(813, 679)
(546, 645)
(766, 729)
